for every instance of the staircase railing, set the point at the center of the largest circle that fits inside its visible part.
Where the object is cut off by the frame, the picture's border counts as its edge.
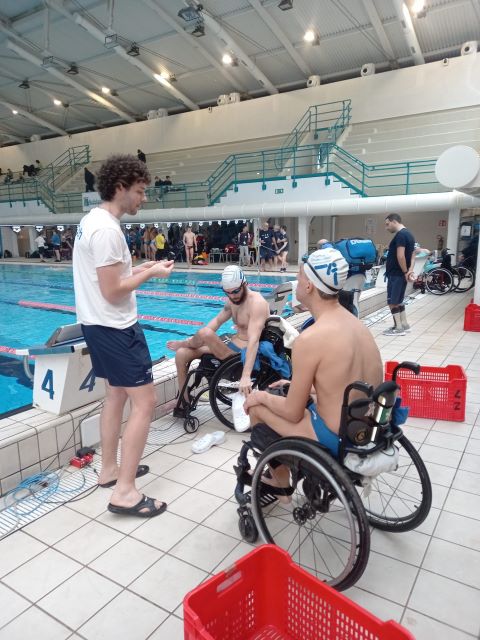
(63, 167)
(327, 122)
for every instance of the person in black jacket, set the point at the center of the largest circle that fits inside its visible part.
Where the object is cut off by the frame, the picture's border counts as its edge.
(141, 156)
(89, 180)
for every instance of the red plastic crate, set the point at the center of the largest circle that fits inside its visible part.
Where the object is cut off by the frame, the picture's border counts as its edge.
(471, 321)
(266, 595)
(438, 393)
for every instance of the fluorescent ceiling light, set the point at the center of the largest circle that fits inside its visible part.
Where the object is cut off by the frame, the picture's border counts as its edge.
(228, 59)
(57, 102)
(311, 36)
(105, 90)
(15, 112)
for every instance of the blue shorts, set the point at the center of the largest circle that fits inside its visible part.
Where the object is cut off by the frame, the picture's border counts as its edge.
(231, 345)
(324, 435)
(396, 287)
(119, 355)
(266, 254)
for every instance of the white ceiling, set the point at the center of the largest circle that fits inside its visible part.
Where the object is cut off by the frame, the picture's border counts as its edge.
(268, 42)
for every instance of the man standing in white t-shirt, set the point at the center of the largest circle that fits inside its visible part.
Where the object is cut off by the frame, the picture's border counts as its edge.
(40, 242)
(105, 285)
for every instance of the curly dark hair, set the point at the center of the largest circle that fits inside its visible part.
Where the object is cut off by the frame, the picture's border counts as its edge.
(119, 169)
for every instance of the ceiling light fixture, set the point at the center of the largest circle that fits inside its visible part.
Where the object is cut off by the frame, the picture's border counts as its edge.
(285, 5)
(190, 13)
(134, 50)
(106, 90)
(57, 103)
(311, 37)
(73, 69)
(165, 75)
(199, 30)
(24, 85)
(229, 60)
(417, 6)
(15, 112)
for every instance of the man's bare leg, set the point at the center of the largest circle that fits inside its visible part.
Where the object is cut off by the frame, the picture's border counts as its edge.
(110, 424)
(142, 401)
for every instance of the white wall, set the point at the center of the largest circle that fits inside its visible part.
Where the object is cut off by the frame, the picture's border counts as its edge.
(307, 189)
(419, 89)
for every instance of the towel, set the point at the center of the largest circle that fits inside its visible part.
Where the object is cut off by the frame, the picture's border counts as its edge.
(276, 362)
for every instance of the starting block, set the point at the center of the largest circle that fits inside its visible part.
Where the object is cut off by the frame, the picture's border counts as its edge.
(64, 379)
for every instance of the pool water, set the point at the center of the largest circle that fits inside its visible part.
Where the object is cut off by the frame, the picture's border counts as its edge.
(35, 300)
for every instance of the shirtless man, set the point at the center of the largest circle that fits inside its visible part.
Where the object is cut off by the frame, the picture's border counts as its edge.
(333, 352)
(249, 311)
(190, 243)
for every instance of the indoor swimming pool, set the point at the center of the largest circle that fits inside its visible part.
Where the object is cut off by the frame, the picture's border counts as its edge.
(35, 300)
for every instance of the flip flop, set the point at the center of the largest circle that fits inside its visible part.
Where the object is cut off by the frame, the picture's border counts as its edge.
(142, 470)
(138, 509)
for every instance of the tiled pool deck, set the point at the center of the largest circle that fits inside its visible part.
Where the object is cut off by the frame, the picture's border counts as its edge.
(82, 572)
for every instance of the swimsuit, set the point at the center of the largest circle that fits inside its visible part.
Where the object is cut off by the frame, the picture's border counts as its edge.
(324, 435)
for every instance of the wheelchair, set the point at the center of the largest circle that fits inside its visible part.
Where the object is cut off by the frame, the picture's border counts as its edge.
(323, 518)
(220, 379)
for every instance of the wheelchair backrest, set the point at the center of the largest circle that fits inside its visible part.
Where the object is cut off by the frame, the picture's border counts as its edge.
(273, 334)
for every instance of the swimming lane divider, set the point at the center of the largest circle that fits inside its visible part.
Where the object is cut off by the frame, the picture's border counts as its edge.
(255, 285)
(168, 294)
(62, 307)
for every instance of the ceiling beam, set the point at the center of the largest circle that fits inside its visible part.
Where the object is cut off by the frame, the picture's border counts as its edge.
(232, 45)
(405, 19)
(377, 25)
(195, 43)
(282, 37)
(99, 34)
(33, 117)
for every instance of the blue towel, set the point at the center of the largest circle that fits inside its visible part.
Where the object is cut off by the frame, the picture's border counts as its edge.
(278, 363)
(399, 413)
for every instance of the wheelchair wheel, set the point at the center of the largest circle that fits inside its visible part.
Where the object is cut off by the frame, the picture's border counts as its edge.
(439, 281)
(465, 279)
(225, 381)
(324, 527)
(399, 500)
(191, 424)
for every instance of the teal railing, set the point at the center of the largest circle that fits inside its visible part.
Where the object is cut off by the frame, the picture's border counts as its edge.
(327, 122)
(63, 167)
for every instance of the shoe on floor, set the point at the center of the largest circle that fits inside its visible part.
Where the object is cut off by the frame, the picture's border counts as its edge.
(144, 509)
(207, 441)
(142, 470)
(393, 331)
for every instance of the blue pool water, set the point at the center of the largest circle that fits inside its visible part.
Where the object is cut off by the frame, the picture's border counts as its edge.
(30, 297)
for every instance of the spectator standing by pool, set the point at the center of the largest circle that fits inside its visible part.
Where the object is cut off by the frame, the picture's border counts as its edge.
(40, 242)
(56, 243)
(105, 285)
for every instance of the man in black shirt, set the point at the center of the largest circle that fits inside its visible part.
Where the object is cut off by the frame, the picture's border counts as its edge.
(243, 240)
(398, 268)
(267, 251)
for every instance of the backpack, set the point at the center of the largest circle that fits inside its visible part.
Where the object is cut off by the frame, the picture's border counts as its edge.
(360, 253)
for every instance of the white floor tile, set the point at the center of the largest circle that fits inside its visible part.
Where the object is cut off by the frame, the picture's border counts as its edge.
(423, 628)
(188, 472)
(55, 525)
(160, 462)
(380, 607)
(127, 617)
(87, 543)
(12, 605)
(446, 600)
(171, 629)
(17, 549)
(218, 483)
(167, 582)
(463, 503)
(49, 569)
(126, 560)
(195, 505)
(164, 532)
(388, 578)
(453, 561)
(458, 529)
(409, 546)
(34, 623)
(79, 598)
(204, 548)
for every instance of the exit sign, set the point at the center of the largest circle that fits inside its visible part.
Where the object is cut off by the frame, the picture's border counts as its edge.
(278, 190)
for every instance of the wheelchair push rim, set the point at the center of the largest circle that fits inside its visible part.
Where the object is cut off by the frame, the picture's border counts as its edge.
(324, 528)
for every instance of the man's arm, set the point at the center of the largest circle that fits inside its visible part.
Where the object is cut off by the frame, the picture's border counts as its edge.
(402, 260)
(305, 363)
(114, 288)
(196, 341)
(259, 313)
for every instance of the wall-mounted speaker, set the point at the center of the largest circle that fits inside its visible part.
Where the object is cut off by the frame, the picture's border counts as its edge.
(367, 69)
(469, 48)
(313, 81)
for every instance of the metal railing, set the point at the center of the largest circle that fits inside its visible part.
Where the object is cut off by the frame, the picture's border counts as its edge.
(327, 122)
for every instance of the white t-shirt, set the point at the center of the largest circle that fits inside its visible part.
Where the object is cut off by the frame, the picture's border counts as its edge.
(99, 243)
(40, 242)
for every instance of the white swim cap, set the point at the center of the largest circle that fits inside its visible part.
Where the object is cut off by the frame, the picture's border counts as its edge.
(232, 277)
(327, 269)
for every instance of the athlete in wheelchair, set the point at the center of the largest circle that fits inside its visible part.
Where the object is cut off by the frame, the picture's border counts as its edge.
(316, 488)
(220, 362)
